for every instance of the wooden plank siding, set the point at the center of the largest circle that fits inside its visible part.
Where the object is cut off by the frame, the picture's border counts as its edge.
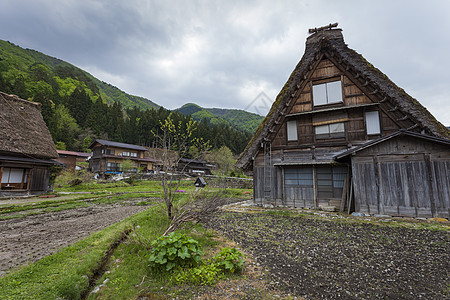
(39, 179)
(393, 178)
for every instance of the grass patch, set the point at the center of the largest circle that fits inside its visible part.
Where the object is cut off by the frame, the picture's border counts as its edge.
(65, 274)
(129, 275)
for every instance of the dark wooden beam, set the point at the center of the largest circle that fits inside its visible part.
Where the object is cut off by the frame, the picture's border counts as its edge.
(326, 27)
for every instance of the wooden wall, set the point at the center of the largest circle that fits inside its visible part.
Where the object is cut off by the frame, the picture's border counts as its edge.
(355, 131)
(39, 179)
(403, 176)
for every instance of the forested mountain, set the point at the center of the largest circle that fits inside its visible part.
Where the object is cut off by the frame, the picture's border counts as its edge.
(78, 108)
(239, 119)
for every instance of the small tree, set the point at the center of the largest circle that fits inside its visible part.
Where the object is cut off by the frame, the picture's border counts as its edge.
(223, 158)
(127, 165)
(175, 140)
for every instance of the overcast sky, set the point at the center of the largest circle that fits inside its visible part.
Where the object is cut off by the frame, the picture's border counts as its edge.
(226, 53)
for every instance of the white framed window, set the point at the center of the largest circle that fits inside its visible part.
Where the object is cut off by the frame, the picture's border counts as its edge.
(327, 93)
(372, 122)
(291, 130)
(334, 130)
(133, 154)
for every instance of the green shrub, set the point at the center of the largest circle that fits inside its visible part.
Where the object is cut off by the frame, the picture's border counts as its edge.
(174, 251)
(204, 275)
(229, 260)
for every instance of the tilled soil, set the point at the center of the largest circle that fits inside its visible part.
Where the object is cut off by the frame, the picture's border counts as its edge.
(33, 237)
(318, 258)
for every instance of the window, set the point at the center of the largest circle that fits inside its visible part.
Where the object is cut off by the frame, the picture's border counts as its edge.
(334, 130)
(110, 151)
(113, 167)
(327, 93)
(14, 178)
(133, 154)
(298, 177)
(125, 153)
(330, 181)
(372, 122)
(291, 130)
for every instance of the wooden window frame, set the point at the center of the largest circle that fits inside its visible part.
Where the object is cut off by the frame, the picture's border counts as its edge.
(367, 124)
(291, 136)
(325, 84)
(329, 134)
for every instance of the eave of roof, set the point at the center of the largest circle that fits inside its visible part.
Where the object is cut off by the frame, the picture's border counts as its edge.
(401, 132)
(17, 159)
(117, 144)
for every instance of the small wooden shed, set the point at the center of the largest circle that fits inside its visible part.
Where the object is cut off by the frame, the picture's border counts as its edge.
(402, 174)
(200, 182)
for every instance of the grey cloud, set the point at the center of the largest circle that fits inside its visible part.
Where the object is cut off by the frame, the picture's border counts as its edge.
(208, 52)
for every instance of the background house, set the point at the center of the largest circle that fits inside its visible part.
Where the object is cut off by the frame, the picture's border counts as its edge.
(194, 166)
(108, 156)
(70, 158)
(316, 146)
(26, 148)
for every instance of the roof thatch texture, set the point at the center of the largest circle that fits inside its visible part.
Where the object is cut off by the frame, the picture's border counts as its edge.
(332, 41)
(23, 130)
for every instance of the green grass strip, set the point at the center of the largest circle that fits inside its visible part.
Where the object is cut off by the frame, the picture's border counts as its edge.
(65, 274)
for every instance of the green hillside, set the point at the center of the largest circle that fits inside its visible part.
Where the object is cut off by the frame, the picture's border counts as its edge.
(25, 72)
(239, 119)
(78, 108)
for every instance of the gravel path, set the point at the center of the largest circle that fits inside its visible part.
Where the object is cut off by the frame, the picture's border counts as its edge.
(30, 238)
(324, 259)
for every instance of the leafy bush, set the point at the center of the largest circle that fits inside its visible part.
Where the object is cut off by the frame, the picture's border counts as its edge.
(205, 275)
(229, 260)
(174, 251)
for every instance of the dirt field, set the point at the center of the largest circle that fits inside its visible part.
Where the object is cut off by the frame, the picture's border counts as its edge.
(322, 258)
(30, 238)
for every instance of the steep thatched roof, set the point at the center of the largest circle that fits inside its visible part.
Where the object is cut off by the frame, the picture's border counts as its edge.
(373, 79)
(23, 130)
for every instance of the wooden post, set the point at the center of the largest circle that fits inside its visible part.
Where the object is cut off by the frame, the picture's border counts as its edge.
(376, 166)
(30, 177)
(350, 197)
(315, 186)
(430, 184)
(344, 194)
(1, 176)
(283, 186)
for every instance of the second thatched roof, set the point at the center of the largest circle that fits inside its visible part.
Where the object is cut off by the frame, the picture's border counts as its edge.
(23, 131)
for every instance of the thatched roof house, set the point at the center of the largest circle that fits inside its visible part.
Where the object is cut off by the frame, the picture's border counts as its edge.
(26, 147)
(23, 130)
(411, 114)
(335, 103)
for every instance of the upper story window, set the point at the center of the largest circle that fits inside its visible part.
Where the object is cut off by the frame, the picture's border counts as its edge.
(372, 122)
(127, 153)
(110, 151)
(334, 130)
(327, 93)
(291, 130)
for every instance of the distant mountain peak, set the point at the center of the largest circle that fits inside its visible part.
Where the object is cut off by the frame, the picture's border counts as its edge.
(239, 119)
